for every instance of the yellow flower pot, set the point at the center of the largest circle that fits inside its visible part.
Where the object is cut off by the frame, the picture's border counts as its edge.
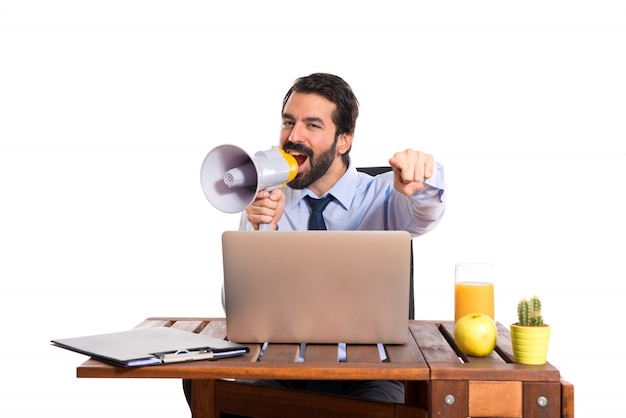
(530, 344)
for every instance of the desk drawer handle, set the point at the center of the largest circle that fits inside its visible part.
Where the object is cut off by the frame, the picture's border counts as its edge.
(449, 400)
(542, 401)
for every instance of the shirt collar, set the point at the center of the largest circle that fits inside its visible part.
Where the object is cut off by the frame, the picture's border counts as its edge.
(343, 191)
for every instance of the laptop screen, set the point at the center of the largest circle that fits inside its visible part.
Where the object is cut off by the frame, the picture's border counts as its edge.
(317, 286)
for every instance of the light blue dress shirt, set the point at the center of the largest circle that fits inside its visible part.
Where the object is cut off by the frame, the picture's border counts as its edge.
(363, 202)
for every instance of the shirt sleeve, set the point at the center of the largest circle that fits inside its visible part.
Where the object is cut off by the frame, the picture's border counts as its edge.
(420, 213)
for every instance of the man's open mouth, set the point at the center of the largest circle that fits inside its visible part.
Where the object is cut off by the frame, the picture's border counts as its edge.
(300, 158)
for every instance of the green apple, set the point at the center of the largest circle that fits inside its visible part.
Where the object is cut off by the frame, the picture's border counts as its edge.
(475, 334)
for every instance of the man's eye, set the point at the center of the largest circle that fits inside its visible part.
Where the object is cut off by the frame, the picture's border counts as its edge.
(287, 123)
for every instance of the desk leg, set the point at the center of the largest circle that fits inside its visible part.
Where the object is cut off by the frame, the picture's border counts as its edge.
(202, 399)
(448, 398)
(567, 399)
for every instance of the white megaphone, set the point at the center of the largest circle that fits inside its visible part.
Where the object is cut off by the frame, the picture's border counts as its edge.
(231, 179)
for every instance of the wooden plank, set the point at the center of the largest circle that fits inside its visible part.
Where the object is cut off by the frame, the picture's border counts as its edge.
(280, 353)
(503, 343)
(448, 398)
(542, 399)
(494, 371)
(215, 329)
(406, 411)
(405, 353)
(357, 353)
(326, 353)
(495, 399)
(269, 402)
(567, 399)
(246, 367)
(191, 326)
(431, 343)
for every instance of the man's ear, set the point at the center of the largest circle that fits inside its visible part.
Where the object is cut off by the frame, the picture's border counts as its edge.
(344, 142)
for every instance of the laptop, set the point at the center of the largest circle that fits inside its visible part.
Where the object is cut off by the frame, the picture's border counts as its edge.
(317, 286)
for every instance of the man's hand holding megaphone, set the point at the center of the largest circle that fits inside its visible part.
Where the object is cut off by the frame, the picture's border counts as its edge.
(266, 209)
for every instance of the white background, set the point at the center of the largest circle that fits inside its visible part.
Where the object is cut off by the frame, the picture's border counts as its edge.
(107, 109)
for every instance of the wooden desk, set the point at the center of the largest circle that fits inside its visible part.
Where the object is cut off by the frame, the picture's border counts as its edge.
(439, 380)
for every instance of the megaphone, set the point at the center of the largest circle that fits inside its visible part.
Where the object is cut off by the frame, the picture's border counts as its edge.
(231, 178)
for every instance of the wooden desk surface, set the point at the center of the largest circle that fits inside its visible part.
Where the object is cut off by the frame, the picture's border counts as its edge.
(438, 377)
(429, 354)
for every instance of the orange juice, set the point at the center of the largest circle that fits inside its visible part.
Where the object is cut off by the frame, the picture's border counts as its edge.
(470, 297)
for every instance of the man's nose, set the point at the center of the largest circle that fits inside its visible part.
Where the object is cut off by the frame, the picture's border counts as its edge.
(295, 136)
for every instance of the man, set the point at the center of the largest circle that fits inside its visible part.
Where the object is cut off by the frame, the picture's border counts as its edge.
(319, 118)
(318, 122)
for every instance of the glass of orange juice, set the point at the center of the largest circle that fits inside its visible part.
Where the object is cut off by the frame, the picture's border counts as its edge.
(473, 289)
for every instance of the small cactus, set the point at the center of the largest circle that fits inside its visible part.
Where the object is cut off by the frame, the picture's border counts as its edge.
(529, 312)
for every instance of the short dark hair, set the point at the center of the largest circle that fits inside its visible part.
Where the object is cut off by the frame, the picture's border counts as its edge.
(336, 90)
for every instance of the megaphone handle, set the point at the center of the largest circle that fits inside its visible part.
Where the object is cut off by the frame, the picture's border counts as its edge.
(265, 227)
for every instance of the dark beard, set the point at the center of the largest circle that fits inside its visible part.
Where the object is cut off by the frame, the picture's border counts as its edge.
(318, 164)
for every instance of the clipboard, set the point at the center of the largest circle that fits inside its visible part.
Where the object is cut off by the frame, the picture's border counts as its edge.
(151, 346)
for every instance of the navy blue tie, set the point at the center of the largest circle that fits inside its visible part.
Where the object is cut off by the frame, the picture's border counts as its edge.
(316, 221)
